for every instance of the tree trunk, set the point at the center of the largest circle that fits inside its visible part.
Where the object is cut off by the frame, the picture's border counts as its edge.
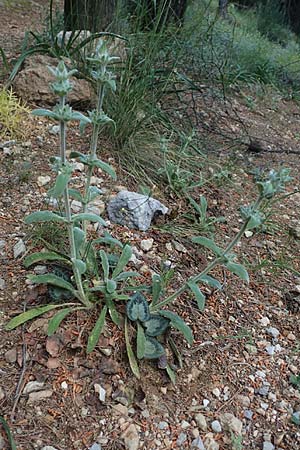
(156, 14)
(92, 15)
(223, 8)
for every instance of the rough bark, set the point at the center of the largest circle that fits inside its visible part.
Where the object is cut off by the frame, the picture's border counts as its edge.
(93, 15)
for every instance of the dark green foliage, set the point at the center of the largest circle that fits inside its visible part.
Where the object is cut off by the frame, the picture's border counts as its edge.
(137, 308)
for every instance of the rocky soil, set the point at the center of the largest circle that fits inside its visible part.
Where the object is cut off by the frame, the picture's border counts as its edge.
(234, 390)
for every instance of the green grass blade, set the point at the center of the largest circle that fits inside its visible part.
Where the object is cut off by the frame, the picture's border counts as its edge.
(8, 434)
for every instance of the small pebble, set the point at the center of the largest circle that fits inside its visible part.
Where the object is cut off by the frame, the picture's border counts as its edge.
(184, 425)
(19, 249)
(201, 422)
(248, 414)
(197, 444)
(274, 332)
(264, 321)
(205, 403)
(95, 447)
(216, 392)
(216, 426)
(181, 439)
(268, 446)
(147, 244)
(263, 390)
(163, 425)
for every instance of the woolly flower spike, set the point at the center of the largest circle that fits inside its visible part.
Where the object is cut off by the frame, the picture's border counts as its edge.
(101, 58)
(62, 84)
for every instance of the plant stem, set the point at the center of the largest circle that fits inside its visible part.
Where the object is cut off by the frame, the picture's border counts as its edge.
(93, 150)
(81, 294)
(218, 260)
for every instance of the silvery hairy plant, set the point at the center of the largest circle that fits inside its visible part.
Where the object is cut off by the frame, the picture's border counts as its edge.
(99, 277)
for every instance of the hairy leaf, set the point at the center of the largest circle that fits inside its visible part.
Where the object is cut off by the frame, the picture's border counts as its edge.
(208, 243)
(61, 183)
(178, 323)
(200, 297)
(115, 317)
(123, 260)
(96, 331)
(171, 374)
(212, 282)
(132, 359)
(104, 264)
(88, 216)
(57, 319)
(140, 342)
(156, 325)
(137, 308)
(50, 278)
(238, 270)
(111, 286)
(80, 265)
(43, 216)
(28, 315)
(156, 288)
(103, 166)
(43, 256)
(153, 348)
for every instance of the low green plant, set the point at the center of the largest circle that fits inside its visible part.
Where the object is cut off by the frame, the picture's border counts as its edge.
(74, 45)
(12, 115)
(295, 380)
(204, 222)
(6, 428)
(88, 276)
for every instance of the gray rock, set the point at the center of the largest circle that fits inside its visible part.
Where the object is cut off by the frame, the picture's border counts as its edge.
(231, 423)
(147, 244)
(19, 249)
(163, 425)
(2, 284)
(131, 438)
(40, 270)
(40, 395)
(210, 443)
(197, 444)
(48, 447)
(134, 210)
(2, 245)
(33, 83)
(54, 129)
(2, 394)
(216, 426)
(252, 349)
(201, 421)
(263, 390)
(274, 332)
(181, 439)
(268, 446)
(2, 444)
(95, 447)
(184, 424)
(33, 386)
(248, 414)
